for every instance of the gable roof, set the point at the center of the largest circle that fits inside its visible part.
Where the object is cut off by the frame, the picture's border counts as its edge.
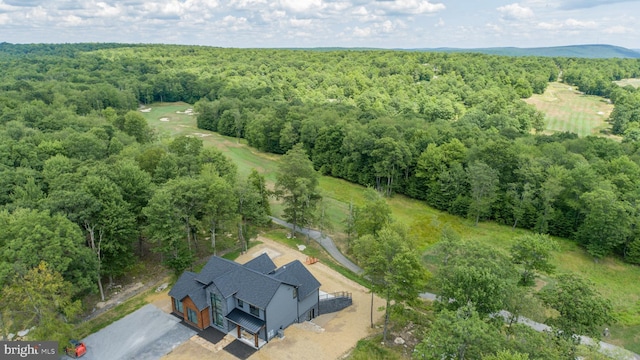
(255, 282)
(297, 274)
(262, 264)
(187, 286)
(248, 285)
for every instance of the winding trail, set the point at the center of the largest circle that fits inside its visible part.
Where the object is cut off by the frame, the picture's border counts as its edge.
(324, 241)
(327, 243)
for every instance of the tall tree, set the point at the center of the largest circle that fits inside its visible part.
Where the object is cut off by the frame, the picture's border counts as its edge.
(98, 208)
(393, 267)
(475, 275)
(459, 334)
(220, 202)
(549, 192)
(484, 185)
(252, 206)
(520, 200)
(31, 236)
(373, 216)
(166, 229)
(606, 224)
(582, 310)
(296, 184)
(391, 158)
(43, 300)
(136, 125)
(533, 253)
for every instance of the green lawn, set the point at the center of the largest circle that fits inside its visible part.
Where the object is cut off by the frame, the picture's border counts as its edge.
(567, 109)
(614, 279)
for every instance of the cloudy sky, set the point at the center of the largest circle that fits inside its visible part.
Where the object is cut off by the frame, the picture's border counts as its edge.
(324, 23)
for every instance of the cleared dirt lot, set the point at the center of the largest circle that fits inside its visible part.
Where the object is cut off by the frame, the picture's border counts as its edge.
(329, 336)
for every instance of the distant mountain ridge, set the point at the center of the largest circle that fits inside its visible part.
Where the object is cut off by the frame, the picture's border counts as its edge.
(595, 51)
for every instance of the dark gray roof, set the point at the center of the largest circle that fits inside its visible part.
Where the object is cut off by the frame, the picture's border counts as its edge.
(215, 267)
(296, 274)
(249, 322)
(245, 282)
(188, 286)
(247, 285)
(262, 263)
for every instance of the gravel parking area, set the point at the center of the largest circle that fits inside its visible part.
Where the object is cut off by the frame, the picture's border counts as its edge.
(148, 333)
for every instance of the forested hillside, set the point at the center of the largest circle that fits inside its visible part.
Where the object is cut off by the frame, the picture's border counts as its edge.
(85, 184)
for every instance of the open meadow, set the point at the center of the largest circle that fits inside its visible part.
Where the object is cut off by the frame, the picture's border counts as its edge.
(624, 82)
(614, 279)
(567, 109)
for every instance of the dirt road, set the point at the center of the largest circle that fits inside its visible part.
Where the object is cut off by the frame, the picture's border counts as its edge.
(329, 336)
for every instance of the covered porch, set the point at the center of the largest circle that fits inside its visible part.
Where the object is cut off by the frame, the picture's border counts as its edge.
(247, 328)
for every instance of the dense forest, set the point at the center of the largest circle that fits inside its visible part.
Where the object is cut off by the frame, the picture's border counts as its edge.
(86, 185)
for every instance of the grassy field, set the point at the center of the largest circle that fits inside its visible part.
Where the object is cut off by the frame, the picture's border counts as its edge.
(624, 82)
(615, 280)
(567, 109)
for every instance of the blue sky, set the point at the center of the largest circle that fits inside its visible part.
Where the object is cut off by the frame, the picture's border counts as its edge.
(324, 23)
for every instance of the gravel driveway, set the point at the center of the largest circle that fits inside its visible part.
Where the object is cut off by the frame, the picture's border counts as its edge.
(147, 333)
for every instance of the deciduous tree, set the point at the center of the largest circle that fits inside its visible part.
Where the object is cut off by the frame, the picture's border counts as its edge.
(392, 266)
(296, 184)
(533, 252)
(42, 299)
(484, 185)
(582, 310)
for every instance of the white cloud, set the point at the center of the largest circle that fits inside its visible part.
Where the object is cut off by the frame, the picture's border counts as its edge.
(618, 29)
(515, 11)
(246, 4)
(577, 24)
(37, 14)
(493, 27)
(409, 7)
(387, 27)
(569, 24)
(440, 23)
(5, 19)
(72, 20)
(549, 26)
(234, 23)
(7, 7)
(106, 10)
(362, 32)
(361, 11)
(300, 22)
(302, 6)
(273, 16)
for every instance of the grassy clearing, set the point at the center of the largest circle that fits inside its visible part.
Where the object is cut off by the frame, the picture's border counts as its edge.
(567, 109)
(169, 123)
(614, 279)
(624, 82)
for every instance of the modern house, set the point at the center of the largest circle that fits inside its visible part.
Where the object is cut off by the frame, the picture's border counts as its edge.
(254, 301)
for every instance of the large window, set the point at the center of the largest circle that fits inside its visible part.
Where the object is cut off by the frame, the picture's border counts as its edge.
(178, 305)
(192, 315)
(216, 305)
(254, 310)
